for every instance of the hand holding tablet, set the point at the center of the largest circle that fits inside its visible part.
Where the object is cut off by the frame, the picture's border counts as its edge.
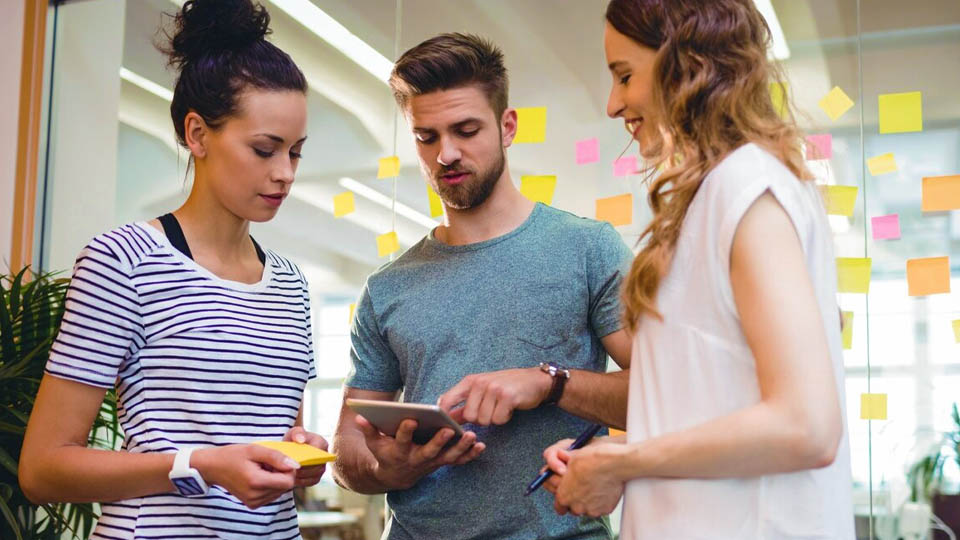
(386, 416)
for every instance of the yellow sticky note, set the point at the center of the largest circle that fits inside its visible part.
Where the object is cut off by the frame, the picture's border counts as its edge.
(882, 164)
(930, 275)
(343, 204)
(387, 244)
(956, 330)
(778, 94)
(436, 205)
(531, 125)
(616, 432)
(873, 406)
(389, 167)
(353, 309)
(538, 188)
(847, 329)
(617, 210)
(835, 103)
(839, 200)
(853, 275)
(304, 454)
(901, 113)
(941, 193)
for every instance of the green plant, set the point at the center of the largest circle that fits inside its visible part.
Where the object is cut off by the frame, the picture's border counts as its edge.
(926, 474)
(31, 307)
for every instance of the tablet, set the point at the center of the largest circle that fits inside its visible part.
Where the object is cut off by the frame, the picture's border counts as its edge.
(387, 415)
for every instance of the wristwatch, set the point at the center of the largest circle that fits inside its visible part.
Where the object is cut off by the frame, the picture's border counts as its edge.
(185, 478)
(560, 375)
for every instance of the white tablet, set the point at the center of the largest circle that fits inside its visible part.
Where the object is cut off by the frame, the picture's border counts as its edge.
(387, 415)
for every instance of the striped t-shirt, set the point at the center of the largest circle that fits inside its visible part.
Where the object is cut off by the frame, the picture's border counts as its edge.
(196, 360)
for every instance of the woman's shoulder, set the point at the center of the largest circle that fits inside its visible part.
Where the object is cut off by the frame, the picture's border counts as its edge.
(124, 247)
(284, 266)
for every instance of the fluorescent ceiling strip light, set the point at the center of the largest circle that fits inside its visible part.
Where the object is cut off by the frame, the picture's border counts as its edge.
(328, 29)
(381, 199)
(780, 50)
(145, 83)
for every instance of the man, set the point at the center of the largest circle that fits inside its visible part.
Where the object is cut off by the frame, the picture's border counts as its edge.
(466, 317)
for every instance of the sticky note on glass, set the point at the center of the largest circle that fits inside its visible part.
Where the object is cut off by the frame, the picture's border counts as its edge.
(873, 406)
(930, 275)
(941, 193)
(625, 165)
(343, 204)
(617, 210)
(387, 244)
(538, 188)
(839, 200)
(820, 146)
(882, 164)
(847, 333)
(588, 151)
(885, 227)
(389, 167)
(436, 205)
(353, 309)
(853, 275)
(901, 113)
(778, 95)
(956, 330)
(531, 125)
(304, 454)
(835, 103)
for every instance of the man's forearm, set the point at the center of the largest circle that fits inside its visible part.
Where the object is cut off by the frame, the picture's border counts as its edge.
(598, 397)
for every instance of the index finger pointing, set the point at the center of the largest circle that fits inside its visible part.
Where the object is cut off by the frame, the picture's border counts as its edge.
(455, 395)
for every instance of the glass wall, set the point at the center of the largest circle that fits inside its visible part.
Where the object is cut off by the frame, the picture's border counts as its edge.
(113, 159)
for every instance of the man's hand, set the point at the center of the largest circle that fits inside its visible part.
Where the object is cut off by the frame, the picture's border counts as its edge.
(491, 398)
(401, 463)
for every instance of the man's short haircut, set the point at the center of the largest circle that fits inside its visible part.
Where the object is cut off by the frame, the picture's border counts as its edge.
(452, 60)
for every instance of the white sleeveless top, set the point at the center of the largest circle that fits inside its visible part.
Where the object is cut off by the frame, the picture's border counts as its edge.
(696, 366)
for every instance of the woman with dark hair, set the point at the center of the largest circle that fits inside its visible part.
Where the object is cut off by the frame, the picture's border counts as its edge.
(205, 335)
(735, 418)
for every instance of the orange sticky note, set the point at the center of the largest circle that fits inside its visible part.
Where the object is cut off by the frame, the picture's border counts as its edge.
(882, 164)
(835, 103)
(853, 275)
(941, 193)
(387, 244)
(873, 406)
(389, 167)
(901, 113)
(956, 330)
(343, 204)
(616, 432)
(436, 205)
(847, 333)
(353, 309)
(538, 188)
(839, 200)
(617, 210)
(930, 275)
(531, 125)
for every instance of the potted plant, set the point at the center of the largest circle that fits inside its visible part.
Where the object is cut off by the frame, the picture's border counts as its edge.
(926, 478)
(31, 307)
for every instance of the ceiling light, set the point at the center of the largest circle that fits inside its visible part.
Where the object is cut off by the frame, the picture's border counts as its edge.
(385, 201)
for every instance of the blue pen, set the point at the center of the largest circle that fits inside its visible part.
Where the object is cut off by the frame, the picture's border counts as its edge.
(583, 439)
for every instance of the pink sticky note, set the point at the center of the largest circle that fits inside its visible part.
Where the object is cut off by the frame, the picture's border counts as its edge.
(588, 151)
(886, 227)
(820, 146)
(625, 165)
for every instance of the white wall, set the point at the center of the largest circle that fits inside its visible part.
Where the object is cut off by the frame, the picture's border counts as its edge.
(82, 189)
(11, 43)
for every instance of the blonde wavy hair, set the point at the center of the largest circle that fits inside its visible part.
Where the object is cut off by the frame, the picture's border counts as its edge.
(712, 88)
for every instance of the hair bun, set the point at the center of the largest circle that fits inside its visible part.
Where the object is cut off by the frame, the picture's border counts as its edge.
(211, 26)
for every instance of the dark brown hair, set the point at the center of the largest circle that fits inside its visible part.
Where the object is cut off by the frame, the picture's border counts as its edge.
(450, 61)
(712, 92)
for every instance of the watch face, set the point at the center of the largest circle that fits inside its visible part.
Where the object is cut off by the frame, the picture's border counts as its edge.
(187, 486)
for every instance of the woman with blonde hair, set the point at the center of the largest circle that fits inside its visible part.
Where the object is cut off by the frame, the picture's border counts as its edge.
(735, 418)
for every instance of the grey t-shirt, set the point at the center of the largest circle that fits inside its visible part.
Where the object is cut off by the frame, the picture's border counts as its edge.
(546, 291)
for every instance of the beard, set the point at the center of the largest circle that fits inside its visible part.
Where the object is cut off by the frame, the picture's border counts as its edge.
(475, 190)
